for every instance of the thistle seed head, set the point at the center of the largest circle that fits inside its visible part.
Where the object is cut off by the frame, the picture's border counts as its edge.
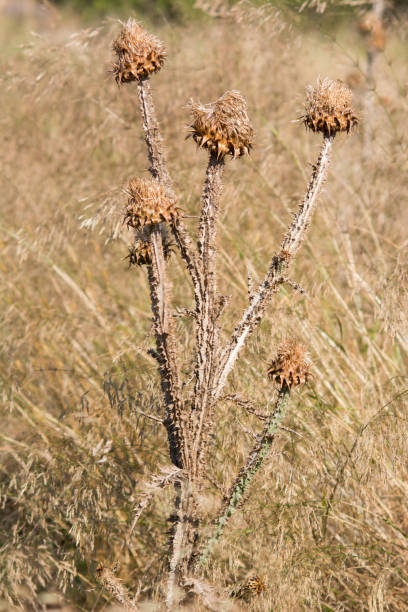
(223, 126)
(328, 108)
(139, 254)
(252, 587)
(139, 53)
(148, 204)
(291, 366)
(372, 27)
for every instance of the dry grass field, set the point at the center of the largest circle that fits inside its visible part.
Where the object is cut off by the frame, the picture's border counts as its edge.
(326, 521)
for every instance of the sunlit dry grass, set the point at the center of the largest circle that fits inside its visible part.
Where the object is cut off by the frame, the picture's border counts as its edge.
(326, 524)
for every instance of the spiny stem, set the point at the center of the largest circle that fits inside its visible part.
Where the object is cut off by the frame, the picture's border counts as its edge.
(165, 346)
(297, 230)
(290, 244)
(159, 170)
(158, 167)
(207, 330)
(247, 472)
(185, 529)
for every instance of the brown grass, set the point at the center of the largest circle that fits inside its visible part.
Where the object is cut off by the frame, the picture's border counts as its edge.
(327, 527)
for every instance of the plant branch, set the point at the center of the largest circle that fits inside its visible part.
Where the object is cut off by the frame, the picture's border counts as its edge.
(158, 163)
(156, 483)
(255, 459)
(275, 274)
(207, 328)
(159, 170)
(166, 354)
(113, 585)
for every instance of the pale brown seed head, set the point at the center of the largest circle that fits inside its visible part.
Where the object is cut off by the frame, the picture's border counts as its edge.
(140, 254)
(148, 204)
(139, 53)
(252, 587)
(291, 365)
(372, 27)
(223, 126)
(328, 108)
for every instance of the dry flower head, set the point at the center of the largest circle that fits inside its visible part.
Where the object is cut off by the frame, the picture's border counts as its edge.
(291, 366)
(223, 126)
(328, 108)
(140, 254)
(139, 53)
(252, 587)
(371, 26)
(148, 204)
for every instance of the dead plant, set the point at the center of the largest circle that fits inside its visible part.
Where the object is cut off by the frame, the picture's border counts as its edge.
(223, 129)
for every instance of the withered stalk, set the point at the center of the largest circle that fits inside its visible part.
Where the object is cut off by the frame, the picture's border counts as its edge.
(207, 329)
(185, 530)
(166, 353)
(112, 584)
(159, 170)
(276, 273)
(246, 474)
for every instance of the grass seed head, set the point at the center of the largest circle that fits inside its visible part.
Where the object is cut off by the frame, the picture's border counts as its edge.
(139, 53)
(291, 366)
(328, 108)
(148, 204)
(223, 126)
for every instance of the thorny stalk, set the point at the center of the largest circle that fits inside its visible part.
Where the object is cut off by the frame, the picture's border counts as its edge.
(158, 165)
(185, 530)
(159, 170)
(276, 272)
(114, 586)
(156, 483)
(166, 353)
(245, 476)
(372, 27)
(207, 329)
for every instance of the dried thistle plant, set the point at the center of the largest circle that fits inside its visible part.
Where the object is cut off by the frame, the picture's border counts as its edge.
(223, 129)
(328, 108)
(139, 53)
(291, 366)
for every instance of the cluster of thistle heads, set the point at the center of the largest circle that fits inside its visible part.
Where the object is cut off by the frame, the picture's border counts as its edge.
(223, 128)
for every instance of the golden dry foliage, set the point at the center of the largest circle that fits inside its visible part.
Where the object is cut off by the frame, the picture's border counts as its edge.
(328, 523)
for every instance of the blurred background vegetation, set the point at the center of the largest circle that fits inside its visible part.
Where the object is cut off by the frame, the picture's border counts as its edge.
(180, 10)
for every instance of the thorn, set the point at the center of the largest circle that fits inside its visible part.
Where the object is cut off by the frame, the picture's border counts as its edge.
(297, 287)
